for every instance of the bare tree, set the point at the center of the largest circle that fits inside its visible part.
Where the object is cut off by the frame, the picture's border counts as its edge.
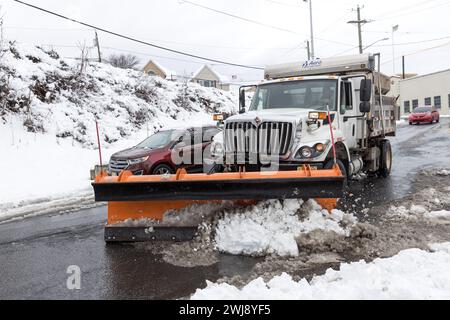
(123, 61)
(1, 33)
(84, 57)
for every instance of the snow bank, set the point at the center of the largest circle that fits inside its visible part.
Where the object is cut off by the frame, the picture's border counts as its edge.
(412, 274)
(271, 227)
(47, 121)
(428, 204)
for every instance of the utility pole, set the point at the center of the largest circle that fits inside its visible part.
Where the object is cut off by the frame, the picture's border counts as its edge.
(97, 44)
(360, 22)
(394, 29)
(403, 68)
(308, 50)
(312, 53)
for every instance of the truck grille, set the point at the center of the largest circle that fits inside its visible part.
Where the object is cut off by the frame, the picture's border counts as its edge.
(246, 137)
(117, 165)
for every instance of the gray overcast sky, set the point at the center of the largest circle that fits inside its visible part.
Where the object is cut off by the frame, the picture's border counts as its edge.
(182, 26)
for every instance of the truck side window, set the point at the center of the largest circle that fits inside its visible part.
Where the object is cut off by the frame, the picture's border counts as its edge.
(346, 95)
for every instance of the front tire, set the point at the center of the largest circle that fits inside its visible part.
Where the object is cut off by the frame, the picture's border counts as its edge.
(386, 159)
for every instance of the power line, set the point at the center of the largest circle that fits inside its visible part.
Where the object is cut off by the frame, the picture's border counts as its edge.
(419, 51)
(413, 42)
(160, 40)
(257, 22)
(137, 40)
(240, 18)
(414, 12)
(284, 4)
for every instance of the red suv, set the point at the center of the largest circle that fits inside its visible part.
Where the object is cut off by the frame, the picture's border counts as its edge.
(424, 115)
(153, 156)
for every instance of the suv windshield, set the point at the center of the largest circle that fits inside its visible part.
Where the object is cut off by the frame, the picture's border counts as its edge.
(159, 140)
(306, 94)
(422, 110)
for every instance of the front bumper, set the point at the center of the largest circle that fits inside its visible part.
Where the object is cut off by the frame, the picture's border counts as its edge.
(421, 120)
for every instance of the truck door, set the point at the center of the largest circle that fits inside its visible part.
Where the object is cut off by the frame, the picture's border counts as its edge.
(348, 113)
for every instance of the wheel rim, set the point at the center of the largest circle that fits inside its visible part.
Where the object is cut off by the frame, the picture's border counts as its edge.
(162, 171)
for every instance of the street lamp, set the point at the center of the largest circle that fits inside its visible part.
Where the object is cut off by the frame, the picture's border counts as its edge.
(312, 28)
(384, 39)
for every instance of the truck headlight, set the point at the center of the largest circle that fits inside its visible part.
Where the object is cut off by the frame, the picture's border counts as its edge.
(138, 160)
(313, 151)
(306, 152)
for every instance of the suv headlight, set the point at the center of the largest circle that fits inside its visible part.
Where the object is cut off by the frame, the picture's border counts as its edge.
(136, 161)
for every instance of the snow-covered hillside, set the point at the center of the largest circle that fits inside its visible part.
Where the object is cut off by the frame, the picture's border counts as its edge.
(52, 95)
(48, 110)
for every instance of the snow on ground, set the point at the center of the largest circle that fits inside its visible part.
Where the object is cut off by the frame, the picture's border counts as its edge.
(272, 227)
(412, 274)
(428, 204)
(47, 121)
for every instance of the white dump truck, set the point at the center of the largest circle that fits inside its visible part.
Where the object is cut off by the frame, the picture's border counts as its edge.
(289, 119)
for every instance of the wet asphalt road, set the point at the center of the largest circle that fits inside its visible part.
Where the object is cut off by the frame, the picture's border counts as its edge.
(36, 252)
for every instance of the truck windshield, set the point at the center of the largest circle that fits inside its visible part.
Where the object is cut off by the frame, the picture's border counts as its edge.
(305, 94)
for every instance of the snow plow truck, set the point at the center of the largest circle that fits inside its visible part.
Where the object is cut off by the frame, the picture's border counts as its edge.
(310, 127)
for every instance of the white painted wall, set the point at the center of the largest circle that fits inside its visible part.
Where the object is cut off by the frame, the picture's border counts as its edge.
(427, 86)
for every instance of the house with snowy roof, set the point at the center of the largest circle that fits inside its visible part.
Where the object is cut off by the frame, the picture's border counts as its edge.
(208, 77)
(155, 69)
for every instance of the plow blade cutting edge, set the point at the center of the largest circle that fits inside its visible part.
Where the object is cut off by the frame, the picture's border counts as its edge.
(150, 197)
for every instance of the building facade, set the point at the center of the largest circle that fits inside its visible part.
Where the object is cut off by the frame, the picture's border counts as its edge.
(155, 69)
(427, 90)
(207, 77)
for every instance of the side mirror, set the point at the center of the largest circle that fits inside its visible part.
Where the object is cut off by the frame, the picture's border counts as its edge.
(366, 90)
(364, 107)
(242, 101)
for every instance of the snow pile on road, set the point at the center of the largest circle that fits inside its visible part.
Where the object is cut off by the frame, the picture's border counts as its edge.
(412, 274)
(55, 96)
(427, 204)
(272, 227)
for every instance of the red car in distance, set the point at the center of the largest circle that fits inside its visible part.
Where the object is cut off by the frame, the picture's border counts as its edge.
(153, 156)
(424, 115)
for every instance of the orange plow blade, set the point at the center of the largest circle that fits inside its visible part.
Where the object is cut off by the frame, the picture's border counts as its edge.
(151, 197)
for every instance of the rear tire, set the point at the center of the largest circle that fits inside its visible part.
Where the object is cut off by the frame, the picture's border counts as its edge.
(162, 169)
(386, 159)
(330, 165)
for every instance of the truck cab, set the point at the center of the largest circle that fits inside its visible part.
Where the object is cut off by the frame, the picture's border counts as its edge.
(306, 113)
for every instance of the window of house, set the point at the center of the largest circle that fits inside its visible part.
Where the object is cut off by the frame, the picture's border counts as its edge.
(415, 104)
(437, 102)
(407, 106)
(428, 101)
